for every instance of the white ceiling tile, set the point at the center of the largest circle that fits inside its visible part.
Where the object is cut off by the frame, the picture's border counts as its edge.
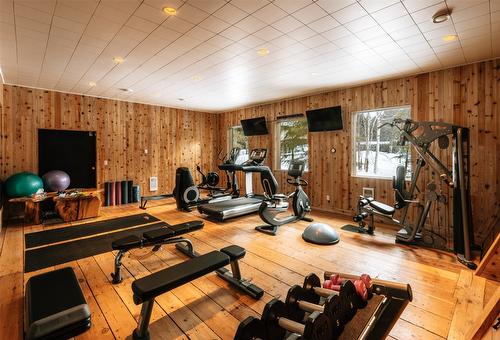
(428, 25)
(150, 13)
(336, 33)
(251, 41)
(413, 40)
(310, 13)
(495, 6)
(44, 6)
(208, 6)
(291, 6)
(479, 32)
(381, 40)
(192, 14)
(250, 24)
(283, 41)
(234, 33)
(333, 6)
(31, 13)
(268, 33)
(360, 24)
(302, 33)
(230, 13)
(373, 6)
(349, 13)
(397, 24)
(495, 17)
(370, 33)
(416, 5)
(270, 14)
(324, 24)
(250, 6)
(471, 12)
(438, 33)
(314, 41)
(425, 14)
(389, 13)
(200, 33)
(458, 5)
(287, 24)
(177, 24)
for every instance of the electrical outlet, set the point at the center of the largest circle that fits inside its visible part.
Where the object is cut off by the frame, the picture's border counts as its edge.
(328, 198)
(153, 183)
(105, 162)
(145, 151)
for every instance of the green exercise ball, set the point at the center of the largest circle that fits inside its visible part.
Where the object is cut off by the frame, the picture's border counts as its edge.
(23, 184)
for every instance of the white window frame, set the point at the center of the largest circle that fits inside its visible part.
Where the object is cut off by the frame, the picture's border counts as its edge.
(230, 139)
(353, 141)
(277, 141)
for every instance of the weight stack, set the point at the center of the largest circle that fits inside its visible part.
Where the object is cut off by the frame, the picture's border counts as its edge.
(136, 194)
(130, 193)
(112, 193)
(107, 194)
(118, 193)
(124, 188)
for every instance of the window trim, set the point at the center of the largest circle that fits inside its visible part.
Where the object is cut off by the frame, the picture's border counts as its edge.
(353, 141)
(277, 142)
(230, 138)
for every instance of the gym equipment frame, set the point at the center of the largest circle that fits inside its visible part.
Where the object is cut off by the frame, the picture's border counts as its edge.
(422, 135)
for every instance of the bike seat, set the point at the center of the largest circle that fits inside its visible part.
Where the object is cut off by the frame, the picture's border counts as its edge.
(382, 208)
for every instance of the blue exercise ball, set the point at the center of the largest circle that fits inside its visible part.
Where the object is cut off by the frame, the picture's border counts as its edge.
(56, 180)
(23, 184)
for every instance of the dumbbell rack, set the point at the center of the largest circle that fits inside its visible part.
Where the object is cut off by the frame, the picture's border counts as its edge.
(372, 321)
(376, 320)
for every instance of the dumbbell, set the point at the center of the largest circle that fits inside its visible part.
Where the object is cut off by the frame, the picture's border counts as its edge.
(299, 301)
(250, 329)
(367, 280)
(276, 323)
(347, 294)
(361, 291)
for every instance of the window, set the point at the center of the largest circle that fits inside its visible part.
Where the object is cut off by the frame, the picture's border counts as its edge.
(237, 139)
(375, 147)
(293, 142)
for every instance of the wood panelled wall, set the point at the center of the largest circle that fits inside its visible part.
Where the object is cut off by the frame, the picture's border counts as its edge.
(173, 137)
(467, 95)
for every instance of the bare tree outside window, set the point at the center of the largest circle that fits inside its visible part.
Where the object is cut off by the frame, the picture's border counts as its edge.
(293, 142)
(376, 150)
(237, 139)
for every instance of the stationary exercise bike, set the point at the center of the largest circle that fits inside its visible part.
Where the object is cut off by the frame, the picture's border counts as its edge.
(278, 203)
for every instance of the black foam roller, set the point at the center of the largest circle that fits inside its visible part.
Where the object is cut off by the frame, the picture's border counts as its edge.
(124, 192)
(107, 193)
(130, 193)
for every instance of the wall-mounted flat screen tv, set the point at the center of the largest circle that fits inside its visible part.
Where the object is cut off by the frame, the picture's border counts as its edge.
(327, 119)
(254, 126)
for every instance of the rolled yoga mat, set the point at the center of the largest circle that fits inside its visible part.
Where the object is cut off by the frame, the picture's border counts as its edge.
(136, 193)
(107, 194)
(118, 193)
(130, 192)
(124, 188)
(112, 195)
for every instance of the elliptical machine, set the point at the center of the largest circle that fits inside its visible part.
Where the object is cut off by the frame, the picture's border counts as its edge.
(278, 203)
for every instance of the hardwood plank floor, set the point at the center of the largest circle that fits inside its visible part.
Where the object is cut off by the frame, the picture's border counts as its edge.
(446, 295)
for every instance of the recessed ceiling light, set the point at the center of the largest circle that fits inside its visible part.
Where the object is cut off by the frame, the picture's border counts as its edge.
(92, 83)
(180, 99)
(441, 16)
(197, 77)
(170, 10)
(126, 90)
(118, 60)
(314, 74)
(449, 37)
(262, 51)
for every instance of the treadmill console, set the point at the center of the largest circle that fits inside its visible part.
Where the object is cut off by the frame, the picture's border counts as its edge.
(257, 157)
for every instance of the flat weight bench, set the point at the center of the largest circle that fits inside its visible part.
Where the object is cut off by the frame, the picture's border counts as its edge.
(55, 306)
(145, 199)
(155, 238)
(146, 289)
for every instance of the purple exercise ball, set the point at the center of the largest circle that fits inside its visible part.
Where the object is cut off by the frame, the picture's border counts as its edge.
(56, 180)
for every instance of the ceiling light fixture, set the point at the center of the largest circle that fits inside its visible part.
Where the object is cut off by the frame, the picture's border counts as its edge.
(449, 37)
(126, 90)
(170, 10)
(118, 60)
(180, 99)
(92, 83)
(197, 77)
(262, 51)
(441, 16)
(314, 74)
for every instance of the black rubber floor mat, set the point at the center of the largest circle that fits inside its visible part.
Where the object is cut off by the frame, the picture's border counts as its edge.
(45, 237)
(44, 257)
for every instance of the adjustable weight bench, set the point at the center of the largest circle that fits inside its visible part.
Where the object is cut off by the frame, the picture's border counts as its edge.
(145, 199)
(55, 306)
(155, 238)
(146, 289)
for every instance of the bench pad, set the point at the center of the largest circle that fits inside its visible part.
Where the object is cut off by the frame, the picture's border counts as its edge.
(126, 243)
(164, 280)
(159, 234)
(234, 252)
(383, 208)
(186, 227)
(50, 314)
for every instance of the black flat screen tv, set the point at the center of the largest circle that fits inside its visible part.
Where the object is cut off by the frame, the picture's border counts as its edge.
(327, 119)
(254, 126)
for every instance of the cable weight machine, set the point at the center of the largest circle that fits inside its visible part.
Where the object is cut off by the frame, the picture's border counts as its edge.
(421, 136)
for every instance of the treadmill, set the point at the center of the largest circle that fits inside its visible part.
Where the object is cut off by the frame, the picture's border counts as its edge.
(251, 202)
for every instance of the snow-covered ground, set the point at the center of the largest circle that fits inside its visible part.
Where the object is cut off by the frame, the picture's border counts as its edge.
(386, 165)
